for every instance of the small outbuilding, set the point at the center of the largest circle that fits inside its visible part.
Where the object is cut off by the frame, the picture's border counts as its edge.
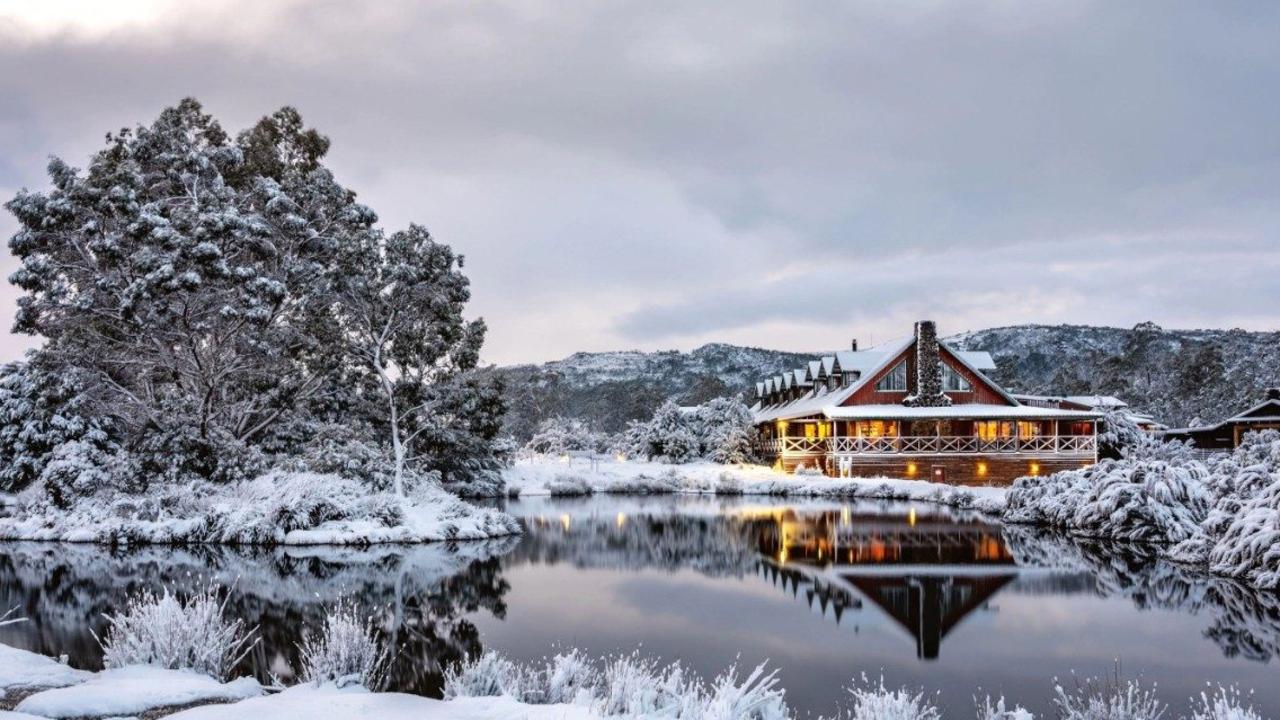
(1226, 435)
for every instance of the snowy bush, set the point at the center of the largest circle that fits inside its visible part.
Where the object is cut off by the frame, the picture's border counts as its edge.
(989, 709)
(874, 701)
(489, 675)
(1130, 500)
(346, 651)
(1122, 438)
(720, 431)
(1111, 698)
(569, 486)
(1223, 704)
(755, 697)
(164, 631)
(632, 685)
(560, 436)
(568, 676)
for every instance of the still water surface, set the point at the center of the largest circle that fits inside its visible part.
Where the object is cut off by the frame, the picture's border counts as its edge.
(925, 596)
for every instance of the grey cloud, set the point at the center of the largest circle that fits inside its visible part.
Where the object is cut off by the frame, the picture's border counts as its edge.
(634, 172)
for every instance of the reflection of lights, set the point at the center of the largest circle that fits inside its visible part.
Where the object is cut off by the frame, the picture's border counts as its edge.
(564, 521)
(846, 517)
(782, 556)
(911, 517)
(622, 519)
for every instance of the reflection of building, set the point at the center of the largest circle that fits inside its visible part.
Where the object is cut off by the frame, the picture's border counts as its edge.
(915, 409)
(927, 573)
(1226, 434)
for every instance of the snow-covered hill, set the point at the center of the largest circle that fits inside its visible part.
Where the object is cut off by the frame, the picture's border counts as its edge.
(1179, 375)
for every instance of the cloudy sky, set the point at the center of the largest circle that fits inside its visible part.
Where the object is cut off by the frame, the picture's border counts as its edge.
(661, 174)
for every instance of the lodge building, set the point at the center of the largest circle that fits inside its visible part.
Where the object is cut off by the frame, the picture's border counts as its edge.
(916, 409)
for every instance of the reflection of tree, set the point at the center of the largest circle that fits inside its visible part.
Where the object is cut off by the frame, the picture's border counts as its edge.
(1243, 622)
(422, 596)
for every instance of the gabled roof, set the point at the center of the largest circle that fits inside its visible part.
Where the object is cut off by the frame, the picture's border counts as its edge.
(814, 370)
(800, 380)
(867, 364)
(817, 401)
(760, 389)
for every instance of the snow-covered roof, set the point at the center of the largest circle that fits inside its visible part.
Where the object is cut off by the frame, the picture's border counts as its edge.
(760, 389)
(967, 411)
(867, 364)
(1096, 401)
(816, 400)
(1269, 409)
(799, 377)
(815, 370)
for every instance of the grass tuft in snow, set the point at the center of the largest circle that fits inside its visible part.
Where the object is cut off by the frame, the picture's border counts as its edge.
(166, 631)
(1109, 698)
(489, 675)
(568, 677)
(634, 685)
(989, 709)
(875, 701)
(756, 697)
(1223, 704)
(346, 651)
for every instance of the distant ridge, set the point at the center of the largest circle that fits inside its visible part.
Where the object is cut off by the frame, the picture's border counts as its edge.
(1178, 375)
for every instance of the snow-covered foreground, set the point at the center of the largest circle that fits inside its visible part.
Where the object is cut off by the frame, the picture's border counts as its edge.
(275, 509)
(548, 476)
(569, 688)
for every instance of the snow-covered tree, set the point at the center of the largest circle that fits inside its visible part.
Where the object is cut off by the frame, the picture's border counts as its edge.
(726, 431)
(400, 308)
(220, 301)
(560, 435)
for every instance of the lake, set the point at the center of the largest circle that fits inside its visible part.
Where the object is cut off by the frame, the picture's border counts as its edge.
(924, 595)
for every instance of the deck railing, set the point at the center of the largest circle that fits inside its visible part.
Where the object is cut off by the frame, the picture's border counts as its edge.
(935, 445)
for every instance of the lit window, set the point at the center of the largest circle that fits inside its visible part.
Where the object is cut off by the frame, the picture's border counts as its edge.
(953, 381)
(896, 380)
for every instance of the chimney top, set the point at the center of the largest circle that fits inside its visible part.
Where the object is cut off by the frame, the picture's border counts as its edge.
(853, 344)
(1273, 393)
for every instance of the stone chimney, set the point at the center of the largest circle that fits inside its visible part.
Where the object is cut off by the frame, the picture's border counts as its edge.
(927, 389)
(1273, 393)
(853, 344)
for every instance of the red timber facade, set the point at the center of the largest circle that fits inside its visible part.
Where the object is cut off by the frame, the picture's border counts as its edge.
(917, 409)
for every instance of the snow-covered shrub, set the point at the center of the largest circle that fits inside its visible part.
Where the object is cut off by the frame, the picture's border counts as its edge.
(720, 431)
(874, 701)
(755, 697)
(567, 677)
(729, 484)
(809, 471)
(1223, 704)
(1111, 698)
(165, 631)
(489, 675)
(569, 486)
(77, 469)
(1122, 438)
(632, 685)
(264, 509)
(989, 709)
(561, 435)
(346, 651)
(1131, 500)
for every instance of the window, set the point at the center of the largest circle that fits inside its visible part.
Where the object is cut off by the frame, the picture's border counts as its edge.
(953, 381)
(877, 428)
(993, 429)
(896, 380)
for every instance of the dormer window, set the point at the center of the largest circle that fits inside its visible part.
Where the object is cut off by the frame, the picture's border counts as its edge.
(953, 381)
(896, 380)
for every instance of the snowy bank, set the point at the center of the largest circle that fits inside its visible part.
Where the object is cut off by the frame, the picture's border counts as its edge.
(327, 702)
(546, 476)
(135, 690)
(21, 670)
(277, 508)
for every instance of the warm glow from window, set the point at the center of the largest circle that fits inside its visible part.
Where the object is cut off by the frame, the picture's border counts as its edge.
(1028, 429)
(877, 428)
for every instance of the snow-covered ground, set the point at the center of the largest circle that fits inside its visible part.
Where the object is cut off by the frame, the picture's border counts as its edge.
(274, 509)
(134, 690)
(550, 476)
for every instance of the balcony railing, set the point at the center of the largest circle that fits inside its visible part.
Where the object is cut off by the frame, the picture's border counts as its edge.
(931, 445)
